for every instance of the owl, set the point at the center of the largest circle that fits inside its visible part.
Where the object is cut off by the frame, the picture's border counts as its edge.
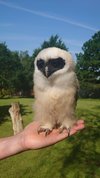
(55, 88)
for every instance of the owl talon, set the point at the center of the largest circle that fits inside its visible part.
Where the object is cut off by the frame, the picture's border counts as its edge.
(47, 131)
(68, 131)
(61, 129)
(40, 130)
(64, 128)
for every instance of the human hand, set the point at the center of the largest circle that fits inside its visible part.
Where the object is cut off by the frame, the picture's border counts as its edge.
(32, 140)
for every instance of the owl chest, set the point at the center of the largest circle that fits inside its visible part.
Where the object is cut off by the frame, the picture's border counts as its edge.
(54, 99)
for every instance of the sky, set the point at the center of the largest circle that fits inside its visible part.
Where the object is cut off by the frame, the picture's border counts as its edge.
(25, 24)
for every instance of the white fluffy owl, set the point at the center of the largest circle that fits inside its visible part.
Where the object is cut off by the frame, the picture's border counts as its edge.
(55, 88)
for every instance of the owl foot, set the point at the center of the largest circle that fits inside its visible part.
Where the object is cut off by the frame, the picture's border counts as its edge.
(46, 130)
(64, 128)
(68, 131)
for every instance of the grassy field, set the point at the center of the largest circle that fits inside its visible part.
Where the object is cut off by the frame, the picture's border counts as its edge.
(76, 157)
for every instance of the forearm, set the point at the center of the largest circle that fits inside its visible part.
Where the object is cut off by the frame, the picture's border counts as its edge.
(10, 146)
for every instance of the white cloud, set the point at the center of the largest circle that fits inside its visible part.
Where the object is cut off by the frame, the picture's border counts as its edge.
(45, 15)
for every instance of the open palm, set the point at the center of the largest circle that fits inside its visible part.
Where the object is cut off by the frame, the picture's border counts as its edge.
(33, 140)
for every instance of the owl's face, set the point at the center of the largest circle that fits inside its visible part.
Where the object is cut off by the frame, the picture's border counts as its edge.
(53, 61)
(48, 68)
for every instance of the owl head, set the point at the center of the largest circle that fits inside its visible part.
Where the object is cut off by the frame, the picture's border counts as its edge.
(52, 62)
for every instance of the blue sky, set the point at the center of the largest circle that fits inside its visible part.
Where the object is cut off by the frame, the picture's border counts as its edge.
(25, 24)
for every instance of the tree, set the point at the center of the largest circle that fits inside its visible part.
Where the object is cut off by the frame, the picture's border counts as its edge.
(26, 76)
(9, 64)
(88, 67)
(16, 72)
(16, 68)
(54, 41)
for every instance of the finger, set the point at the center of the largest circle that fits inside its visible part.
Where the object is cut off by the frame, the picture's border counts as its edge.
(76, 129)
(80, 121)
(64, 134)
(78, 126)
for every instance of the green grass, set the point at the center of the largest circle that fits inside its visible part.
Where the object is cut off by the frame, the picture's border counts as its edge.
(76, 157)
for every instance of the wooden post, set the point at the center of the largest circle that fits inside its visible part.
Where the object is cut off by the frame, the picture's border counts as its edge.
(16, 118)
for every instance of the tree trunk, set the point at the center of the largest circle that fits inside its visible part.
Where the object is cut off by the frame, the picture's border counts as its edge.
(17, 121)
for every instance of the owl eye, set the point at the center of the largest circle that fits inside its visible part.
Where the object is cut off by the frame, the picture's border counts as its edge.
(40, 64)
(57, 63)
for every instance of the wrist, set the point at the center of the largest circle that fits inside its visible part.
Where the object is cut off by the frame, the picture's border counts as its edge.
(21, 140)
(10, 146)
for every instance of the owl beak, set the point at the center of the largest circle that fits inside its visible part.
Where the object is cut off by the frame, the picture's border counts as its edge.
(47, 72)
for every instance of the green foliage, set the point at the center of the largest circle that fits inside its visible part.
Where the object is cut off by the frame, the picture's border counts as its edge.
(5, 66)
(54, 41)
(16, 72)
(16, 68)
(88, 67)
(26, 75)
(76, 157)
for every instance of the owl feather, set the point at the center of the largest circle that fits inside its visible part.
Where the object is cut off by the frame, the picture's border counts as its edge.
(56, 89)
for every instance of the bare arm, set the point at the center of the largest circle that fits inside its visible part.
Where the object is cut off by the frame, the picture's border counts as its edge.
(10, 146)
(30, 139)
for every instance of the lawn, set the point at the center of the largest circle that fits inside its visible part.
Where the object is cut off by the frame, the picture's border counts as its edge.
(76, 157)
